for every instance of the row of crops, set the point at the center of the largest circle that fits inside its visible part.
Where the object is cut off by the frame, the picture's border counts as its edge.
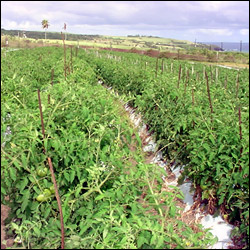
(198, 113)
(101, 182)
(200, 116)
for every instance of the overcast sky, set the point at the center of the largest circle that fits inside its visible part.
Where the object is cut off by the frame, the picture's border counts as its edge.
(205, 21)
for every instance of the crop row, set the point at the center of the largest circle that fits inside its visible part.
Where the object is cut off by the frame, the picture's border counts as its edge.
(200, 116)
(100, 179)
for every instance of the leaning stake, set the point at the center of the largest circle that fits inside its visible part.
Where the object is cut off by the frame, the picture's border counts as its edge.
(65, 73)
(209, 97)
(179, 77)
(52, 77)
(52, 173)
(240, 129)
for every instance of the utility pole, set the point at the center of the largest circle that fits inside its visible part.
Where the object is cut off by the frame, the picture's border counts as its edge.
(240, 46)
(221, 45)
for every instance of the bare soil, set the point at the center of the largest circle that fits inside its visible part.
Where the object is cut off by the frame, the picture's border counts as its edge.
(5, 242)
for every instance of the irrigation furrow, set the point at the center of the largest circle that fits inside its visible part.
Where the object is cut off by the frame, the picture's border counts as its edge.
(218, 226)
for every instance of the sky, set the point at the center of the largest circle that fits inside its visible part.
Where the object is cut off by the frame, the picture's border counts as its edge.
(203, 21)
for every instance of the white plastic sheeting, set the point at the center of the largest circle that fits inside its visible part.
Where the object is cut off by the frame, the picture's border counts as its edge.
(218, 226)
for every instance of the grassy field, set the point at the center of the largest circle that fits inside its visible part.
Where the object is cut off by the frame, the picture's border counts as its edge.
(172, 47)
(120, 42)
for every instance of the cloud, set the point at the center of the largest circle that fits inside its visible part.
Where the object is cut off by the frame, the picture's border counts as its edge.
(219, 32)
(244, 32)
(222, 18)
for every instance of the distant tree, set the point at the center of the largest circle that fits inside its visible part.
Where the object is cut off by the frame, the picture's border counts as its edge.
(45, 25)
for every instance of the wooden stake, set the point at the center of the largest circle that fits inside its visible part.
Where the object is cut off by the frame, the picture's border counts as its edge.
(225, 84)
(65, 73)
(240, 129)
(52, 173)
(193, 102)
(187, 79)
(71, 62)
(197, 76)
(179, 76)
(211, 73)
(156, 67)
(237, 85)
(52, 77)
(209, 97)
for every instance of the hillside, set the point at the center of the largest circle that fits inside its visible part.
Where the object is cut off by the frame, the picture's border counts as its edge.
(121, 42)
(148, 45)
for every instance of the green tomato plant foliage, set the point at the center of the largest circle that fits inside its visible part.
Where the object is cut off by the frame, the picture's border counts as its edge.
(178, 111)
(88, 137)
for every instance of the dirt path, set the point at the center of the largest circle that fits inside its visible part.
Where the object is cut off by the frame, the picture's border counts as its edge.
(191, 216)
(4, 241)
(191, 212)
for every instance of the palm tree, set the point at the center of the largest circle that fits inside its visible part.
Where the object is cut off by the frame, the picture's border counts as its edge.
(45, 25)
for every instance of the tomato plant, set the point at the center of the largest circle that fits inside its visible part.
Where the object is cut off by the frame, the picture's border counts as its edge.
(89, 142)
